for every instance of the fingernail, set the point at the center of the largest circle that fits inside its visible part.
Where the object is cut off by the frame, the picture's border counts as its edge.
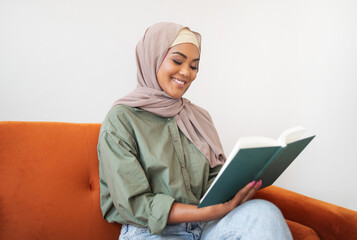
(260, 183)
(252, 184)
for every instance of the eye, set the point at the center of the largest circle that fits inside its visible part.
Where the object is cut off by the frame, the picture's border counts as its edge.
(177, 62)
(193, 67)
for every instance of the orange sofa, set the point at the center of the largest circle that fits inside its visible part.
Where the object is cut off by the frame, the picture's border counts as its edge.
(49, 189)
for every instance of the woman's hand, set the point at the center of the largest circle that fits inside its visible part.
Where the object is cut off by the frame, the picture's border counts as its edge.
(245, 194)
(189, 213)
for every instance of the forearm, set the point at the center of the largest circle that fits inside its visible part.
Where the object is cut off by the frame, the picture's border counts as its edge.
(180, 213)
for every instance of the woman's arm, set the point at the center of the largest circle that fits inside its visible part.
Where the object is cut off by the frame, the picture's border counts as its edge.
(125, 186)
(180, 213)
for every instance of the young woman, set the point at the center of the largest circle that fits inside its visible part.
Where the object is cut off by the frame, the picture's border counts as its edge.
(159, 153)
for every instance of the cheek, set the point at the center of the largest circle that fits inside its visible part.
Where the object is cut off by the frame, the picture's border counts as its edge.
(194, 75)
(163, 72)
(168, 68)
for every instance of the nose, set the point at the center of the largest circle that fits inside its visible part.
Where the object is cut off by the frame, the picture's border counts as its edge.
(185, 71)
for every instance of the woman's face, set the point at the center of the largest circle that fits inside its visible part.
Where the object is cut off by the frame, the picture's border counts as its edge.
(178, 69)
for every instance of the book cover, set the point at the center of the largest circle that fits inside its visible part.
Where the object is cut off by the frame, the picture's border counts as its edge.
(254, 163)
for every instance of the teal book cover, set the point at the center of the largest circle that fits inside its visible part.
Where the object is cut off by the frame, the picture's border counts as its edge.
(253, 163)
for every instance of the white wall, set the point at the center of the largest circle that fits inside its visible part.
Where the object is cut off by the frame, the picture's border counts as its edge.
(266, 66)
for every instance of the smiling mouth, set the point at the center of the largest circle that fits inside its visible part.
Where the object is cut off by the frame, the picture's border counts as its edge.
(178, 81)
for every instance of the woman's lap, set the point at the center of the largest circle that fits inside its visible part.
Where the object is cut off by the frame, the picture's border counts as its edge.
(255, 219)
(189, 231)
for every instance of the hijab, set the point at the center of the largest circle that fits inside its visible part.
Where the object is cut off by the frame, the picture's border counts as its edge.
(195, 122)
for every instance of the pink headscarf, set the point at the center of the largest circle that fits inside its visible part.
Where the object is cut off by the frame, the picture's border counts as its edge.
(192, 120)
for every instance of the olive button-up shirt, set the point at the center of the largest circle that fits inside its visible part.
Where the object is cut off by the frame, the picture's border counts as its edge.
(145, 164)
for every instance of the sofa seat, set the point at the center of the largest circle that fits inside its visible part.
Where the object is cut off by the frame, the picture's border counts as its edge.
(49, 189)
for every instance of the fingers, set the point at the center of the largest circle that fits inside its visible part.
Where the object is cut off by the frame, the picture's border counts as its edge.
(245, 194)
(241, 194)
(252, 191)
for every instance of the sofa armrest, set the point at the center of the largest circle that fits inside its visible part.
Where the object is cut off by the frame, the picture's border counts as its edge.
(328, 220)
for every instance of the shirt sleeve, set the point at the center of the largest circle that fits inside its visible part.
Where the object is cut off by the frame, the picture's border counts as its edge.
(128, 185)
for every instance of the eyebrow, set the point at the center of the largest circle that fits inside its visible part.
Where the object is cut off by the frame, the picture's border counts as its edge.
(184, 56)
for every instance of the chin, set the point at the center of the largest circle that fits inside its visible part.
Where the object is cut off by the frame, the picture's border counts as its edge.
(176, 93)
(176, 96)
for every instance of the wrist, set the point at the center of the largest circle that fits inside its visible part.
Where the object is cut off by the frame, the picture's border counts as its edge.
(215, 212)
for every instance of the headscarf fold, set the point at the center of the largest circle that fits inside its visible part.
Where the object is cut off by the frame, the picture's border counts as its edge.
(195, 122)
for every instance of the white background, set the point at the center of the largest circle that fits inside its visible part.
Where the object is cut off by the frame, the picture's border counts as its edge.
(265, 66)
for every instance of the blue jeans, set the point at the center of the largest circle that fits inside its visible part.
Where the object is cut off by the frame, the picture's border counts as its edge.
(255, 219)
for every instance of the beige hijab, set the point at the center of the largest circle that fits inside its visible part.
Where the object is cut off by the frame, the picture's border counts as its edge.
(192, 120)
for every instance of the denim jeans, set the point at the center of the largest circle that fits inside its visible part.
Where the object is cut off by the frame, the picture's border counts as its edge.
(255, 219)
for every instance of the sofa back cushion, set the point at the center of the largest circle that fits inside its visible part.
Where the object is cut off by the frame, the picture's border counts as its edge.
(49, 186)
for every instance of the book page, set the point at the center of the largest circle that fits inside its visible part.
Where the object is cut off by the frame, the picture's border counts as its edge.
(254, 142)
(291, 135)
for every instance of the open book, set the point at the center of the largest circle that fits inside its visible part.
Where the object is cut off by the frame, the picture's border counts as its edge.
(255, 158)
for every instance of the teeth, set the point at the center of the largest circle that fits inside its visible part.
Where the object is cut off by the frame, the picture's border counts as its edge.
(178, 81)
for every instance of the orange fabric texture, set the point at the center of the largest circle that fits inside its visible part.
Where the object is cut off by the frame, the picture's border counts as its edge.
(300, 231)
(49, 189)
(327, 220)
(49, 185)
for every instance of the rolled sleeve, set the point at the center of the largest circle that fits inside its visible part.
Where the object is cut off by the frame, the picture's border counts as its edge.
(160, 209)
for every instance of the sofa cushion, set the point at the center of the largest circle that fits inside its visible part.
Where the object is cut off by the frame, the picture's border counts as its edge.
(302, 232)
(49, 186)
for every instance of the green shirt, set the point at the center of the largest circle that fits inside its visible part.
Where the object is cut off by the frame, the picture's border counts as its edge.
(145, 164)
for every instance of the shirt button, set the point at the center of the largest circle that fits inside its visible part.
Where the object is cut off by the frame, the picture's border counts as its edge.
(169, 119)
(175, 140)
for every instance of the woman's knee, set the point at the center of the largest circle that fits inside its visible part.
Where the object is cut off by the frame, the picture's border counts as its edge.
(254, 218)
(266, 213)
(264, 205)
(260, 209)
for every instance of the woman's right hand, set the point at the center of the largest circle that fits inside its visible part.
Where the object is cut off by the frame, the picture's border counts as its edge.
(243, 195)
(180, 213)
